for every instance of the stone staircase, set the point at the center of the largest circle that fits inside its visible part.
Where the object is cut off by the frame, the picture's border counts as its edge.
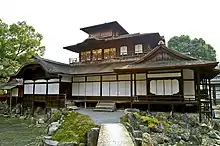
(105, 106)
(114, 135)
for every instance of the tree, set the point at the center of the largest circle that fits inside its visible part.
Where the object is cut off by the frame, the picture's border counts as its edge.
(19, 42)
(193, 47)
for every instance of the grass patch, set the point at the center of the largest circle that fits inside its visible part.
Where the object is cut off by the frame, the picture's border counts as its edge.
(17, 132)
(74, 128)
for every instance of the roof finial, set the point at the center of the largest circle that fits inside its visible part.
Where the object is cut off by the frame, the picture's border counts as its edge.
(161, 42)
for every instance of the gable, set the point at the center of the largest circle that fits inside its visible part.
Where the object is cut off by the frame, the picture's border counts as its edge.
(162, 53)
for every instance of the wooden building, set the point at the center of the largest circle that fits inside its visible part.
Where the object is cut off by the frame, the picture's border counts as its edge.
(130, 69)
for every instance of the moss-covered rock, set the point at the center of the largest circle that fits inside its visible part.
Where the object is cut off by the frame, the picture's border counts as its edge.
(74, 128)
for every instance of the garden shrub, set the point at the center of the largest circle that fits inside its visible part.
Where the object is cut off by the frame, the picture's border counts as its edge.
(74, 128)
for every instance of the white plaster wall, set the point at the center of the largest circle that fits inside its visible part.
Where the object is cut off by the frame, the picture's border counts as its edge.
(94, 78)
(15, 92)
(77, 79)
(28, 81)
(53, 80)
(66, 79)
(189, 89)
(161, 75)
(41, 80)
(109, 78)
(188, 74)
(124, 77)
(140, 76)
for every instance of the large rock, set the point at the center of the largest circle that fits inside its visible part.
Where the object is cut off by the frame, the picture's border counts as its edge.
(131, 110)
(195, 139)
(50, 143)
(214, 134)
(144, 129)
(92, 137)
(53, 127)
(147, 140)
(133, 121)
(67, 144)
(137, 133)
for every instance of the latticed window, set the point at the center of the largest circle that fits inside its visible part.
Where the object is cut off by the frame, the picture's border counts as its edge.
(109, 53)
(97, 54)
(138, 49)
(85, 55)
(123, 50)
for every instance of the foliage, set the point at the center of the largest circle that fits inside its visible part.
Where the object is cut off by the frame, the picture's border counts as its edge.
(124, 119)
(197, 48)
(74, 128)
(18, 43)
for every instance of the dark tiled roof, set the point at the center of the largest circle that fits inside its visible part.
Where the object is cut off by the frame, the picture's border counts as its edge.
(150, 37)
(108, 25)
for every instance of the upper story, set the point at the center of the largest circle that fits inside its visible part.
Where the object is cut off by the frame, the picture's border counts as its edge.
(111, 41)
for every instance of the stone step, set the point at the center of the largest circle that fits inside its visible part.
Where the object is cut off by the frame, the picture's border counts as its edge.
(105, 106)
(114, 135)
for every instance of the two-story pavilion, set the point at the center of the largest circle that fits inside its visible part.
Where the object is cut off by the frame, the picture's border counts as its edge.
(130, 69)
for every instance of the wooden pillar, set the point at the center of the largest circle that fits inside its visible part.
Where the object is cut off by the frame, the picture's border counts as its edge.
(33, 98)
(214, 94)
(131, 90)
(135, 86)
(199, 97)
(101, 86)
(10, 100)
(148, 108)
(210, 97)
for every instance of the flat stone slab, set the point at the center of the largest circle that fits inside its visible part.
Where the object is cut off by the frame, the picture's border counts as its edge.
(114, 135)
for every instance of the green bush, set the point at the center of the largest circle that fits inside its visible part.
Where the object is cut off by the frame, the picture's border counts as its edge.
(74, 128)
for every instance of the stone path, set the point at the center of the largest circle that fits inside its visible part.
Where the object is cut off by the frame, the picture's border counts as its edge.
(102, 117)
(114, 135)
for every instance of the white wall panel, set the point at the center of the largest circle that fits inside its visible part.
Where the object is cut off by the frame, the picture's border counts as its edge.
(161, 75)
(96, 89)
(113, 89)
(188, 74)
(175, 86)
(153, 87)
(127, 88)
(168, 87)
(28, 88)
(15, 92)
(75, 89)
(89, 89)
(53, 80)
(121, 88)
(40, 89)
(28, 81)
(77, 79)
(94, 78)
(124, 77)
(141, 87)
(160, 87)
(41, 80)
(140, 76)
(189, 89)
(105, 88)
(82, 89)
(53, 88)
(66, 79)
(109, 78)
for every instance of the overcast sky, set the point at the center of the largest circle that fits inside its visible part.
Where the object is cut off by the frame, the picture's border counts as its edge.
(59, 20)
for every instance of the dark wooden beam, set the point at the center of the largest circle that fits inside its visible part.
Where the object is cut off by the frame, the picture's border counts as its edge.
(210, 97)
(199, 96)
(131, 90)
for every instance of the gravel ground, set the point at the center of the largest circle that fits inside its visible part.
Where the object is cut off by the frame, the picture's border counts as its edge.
(103, 117)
